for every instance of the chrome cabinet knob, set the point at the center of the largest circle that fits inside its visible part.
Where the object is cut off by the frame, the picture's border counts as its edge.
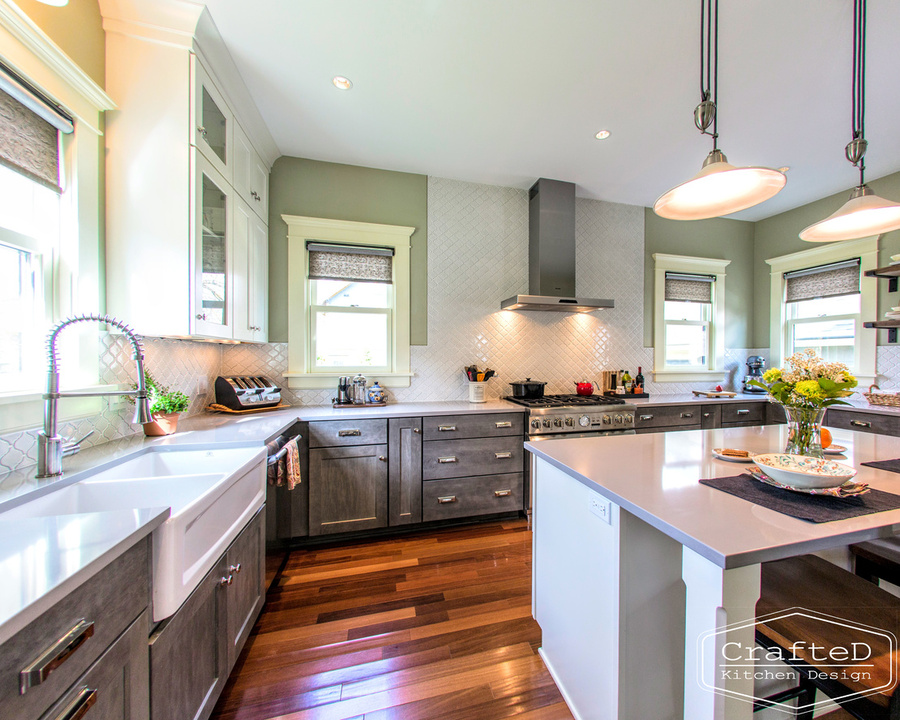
(202, 131)
(201, 316)
(225, 581)
(235, 569)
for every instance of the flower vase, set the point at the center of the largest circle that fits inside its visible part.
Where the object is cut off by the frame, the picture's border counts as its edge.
(804, 427)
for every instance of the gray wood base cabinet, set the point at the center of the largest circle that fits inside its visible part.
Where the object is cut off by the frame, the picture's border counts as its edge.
(694, 416)
(348, 489)
(404, 471)
(192, 652)
(97, 622)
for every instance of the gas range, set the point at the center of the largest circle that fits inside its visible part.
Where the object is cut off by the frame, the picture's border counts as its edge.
(555, 415)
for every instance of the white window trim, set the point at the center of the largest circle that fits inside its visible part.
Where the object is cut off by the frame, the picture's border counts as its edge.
(301, 229)
(697, 265)
(77, 270)
(866, 249)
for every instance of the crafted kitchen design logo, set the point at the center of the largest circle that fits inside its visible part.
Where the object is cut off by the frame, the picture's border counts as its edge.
(753, 661)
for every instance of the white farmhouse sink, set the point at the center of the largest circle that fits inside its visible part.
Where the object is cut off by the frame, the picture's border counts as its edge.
(212, 495)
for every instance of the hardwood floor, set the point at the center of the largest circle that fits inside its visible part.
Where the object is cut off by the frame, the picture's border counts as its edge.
(435, 625)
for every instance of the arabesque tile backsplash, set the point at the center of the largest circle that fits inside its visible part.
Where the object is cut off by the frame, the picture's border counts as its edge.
(477, 256)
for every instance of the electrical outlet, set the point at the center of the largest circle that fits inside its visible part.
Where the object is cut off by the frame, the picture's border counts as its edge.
(600, 507)
(202, 385)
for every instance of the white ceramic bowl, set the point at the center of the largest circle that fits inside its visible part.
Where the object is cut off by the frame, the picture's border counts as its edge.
(804, 472)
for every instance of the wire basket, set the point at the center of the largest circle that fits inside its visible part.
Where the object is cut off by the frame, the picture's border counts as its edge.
(882, 398)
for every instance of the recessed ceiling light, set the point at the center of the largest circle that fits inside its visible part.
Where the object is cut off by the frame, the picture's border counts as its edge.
(602, 135)
(55, 3)
(342, 83)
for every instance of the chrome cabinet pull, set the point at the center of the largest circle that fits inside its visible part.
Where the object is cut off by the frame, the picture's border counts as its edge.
(502, 493)
(235, 569)
(743, 412)
(446, 428)
(417, 431)
(503, 424)
(349, 433)
(502, 455)
(448, 459)
(225, 581)
(78, 708)
(646, 417)
(382, 458)
(38, 671)
(706, 414)
(202, 131)
(254, 194)
(447, 499)
(860, 423)
(687, 415)
(201, 316)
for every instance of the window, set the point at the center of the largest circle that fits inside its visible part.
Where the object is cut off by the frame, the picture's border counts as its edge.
(50, 210)
(348, 302)
(822, 311)
(819, 298)
(351, 307)
(689, 339)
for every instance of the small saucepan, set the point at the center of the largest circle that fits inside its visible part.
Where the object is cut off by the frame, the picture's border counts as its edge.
(527, 389)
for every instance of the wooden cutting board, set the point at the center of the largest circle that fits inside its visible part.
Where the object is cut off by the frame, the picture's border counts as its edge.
(714, 394)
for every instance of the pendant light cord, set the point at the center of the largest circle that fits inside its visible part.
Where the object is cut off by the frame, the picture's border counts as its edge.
(709, 61)
(858, 93)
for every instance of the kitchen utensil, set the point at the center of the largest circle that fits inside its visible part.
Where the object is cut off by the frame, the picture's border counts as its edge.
(848, 489)
(801, 471)
(344, 396)
(359, 389)
(721, 454)
(528, 389)
(834, 450)
(755, 366)
(584, 387)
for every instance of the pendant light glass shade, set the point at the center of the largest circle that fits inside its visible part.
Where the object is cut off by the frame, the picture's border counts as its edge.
(719, 189)
(863, 215)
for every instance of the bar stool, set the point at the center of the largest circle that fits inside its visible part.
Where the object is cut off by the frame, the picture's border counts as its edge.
(878, 559)
(812, 583)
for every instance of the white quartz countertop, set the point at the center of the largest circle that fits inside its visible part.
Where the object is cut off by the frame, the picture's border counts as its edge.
(656, 477)
(43, 559)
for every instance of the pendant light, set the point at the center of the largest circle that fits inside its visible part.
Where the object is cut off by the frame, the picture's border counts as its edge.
(864, 214)
(719, 188)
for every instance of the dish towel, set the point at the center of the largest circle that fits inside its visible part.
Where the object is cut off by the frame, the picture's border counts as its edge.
(275, 472)
(292, 463)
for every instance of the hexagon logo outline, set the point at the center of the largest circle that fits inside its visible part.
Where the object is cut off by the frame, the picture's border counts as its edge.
(812, 615)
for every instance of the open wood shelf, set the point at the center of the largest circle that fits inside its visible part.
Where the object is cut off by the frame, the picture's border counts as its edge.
(891, 272)
(890, 325)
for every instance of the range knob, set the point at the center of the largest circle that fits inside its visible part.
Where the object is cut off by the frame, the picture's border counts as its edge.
(619, 420)
(536, 424)
(584, 421)
(557, 422)
(629, 419)
(546, 422)
(570, 422)
(607, 419)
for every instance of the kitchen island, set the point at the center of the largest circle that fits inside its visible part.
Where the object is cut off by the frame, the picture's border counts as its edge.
(635, 562)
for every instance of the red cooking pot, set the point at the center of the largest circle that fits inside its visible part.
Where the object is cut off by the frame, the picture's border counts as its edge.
(584, 388)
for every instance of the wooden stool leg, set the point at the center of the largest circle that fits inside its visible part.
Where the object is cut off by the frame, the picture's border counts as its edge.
(866, 570)
(806, 699)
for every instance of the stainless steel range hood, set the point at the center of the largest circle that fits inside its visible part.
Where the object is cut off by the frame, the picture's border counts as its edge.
(551, 253)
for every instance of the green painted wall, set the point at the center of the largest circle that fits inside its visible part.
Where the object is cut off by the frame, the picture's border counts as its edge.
(779, 235)
(346, 192)
(716, 238)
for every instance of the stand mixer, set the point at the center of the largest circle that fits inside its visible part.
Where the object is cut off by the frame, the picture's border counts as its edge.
(755, 366)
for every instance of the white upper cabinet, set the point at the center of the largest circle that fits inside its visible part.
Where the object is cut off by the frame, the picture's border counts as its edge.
(251, 176)
(187, 190)
(212, 121)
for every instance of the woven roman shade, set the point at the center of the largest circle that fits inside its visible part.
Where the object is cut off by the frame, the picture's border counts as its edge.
(29, 130)
(830, 280)
(689, 288)
(349, 262)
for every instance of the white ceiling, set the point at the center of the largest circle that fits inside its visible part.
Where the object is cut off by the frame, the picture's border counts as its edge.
(506, 91)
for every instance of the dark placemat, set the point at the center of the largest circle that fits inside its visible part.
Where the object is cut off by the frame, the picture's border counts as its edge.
(812, 508)
(892, 465)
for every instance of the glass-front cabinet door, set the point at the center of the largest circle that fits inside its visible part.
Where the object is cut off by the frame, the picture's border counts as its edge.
(213, 252)
(213, 126)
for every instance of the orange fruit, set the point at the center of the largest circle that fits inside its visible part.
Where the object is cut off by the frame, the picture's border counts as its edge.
(825, 436)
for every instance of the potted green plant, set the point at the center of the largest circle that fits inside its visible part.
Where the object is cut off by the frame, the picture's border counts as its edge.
(166, 405)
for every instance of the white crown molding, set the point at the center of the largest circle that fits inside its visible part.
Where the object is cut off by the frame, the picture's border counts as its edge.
(23, 29)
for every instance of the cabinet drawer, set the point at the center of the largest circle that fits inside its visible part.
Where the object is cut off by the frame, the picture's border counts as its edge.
(469, 496)
(480, 456)
(667, 416)
(117, 686)
(335, 433)
(749, 413)
(447, 427)
(75, 631)
(863, 421)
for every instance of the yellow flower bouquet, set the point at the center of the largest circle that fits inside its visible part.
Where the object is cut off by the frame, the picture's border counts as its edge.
(806, 387)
